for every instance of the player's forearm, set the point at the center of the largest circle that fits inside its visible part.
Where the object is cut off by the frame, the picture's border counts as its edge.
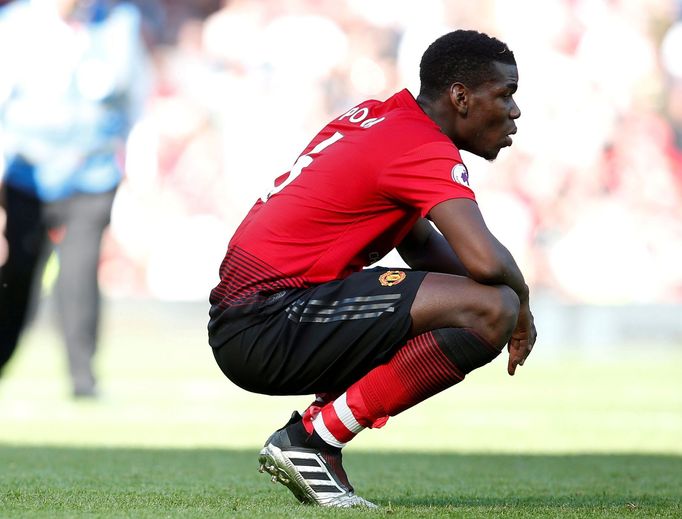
(501, 269)
(432, 254)
(448, 264)
(514, 277)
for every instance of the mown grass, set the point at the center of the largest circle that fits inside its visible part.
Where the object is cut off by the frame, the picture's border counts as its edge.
(54, 482)
(575, 433)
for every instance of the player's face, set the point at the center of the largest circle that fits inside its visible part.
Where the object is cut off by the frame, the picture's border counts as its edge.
(491, 113)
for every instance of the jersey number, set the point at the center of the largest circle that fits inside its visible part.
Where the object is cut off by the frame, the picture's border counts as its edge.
(303, 162)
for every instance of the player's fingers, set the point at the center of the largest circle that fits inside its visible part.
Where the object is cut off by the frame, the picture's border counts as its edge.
(527, 350)
(524, 348)
(511, 366)
(516, 355)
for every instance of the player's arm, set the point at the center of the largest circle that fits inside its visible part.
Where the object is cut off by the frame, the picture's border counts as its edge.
(481, 254)
(488, 262)
(424, 248)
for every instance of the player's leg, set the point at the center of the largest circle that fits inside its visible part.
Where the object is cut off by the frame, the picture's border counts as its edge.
(464, 326)
(459, 325)
(476, 320)
(447, 301)
(477, 312)
(424, 366)
(321, 400)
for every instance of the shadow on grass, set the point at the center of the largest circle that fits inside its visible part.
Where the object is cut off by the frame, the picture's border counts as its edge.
(209, 482)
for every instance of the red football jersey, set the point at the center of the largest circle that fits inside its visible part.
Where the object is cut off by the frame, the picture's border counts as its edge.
(351, 197)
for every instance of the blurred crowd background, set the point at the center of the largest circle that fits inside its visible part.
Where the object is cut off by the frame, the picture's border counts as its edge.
(589, 198)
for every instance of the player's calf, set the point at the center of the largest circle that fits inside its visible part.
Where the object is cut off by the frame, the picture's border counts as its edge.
(465, 348)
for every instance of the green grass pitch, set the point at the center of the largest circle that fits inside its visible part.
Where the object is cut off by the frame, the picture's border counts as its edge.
(576, 433)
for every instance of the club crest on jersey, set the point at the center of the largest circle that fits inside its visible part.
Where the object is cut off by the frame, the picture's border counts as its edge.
(460, 174)
(391, 277)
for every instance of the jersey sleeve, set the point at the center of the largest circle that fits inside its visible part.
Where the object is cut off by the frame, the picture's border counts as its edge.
(426, 176)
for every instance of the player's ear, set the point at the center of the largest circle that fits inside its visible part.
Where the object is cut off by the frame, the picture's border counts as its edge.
(459, 97)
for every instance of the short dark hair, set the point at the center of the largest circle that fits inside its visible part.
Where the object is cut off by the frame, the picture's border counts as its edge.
(460, 56)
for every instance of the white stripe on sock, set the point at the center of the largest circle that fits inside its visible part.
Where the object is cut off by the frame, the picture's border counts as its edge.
(346, 415)
(321, 429)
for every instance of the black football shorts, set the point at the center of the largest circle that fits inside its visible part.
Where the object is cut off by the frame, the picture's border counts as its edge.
(324, 338)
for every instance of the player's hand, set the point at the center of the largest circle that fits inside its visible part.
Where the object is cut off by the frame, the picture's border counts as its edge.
(522, 340)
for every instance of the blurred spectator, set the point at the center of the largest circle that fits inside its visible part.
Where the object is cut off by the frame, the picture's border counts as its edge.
(73, 81)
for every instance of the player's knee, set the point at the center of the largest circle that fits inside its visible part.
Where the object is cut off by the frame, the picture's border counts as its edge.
(502, 315)
(465, 348)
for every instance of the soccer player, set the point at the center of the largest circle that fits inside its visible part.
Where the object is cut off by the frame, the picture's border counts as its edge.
(297, 313)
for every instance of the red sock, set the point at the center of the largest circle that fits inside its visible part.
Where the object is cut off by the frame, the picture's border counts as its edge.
(336, 423)
(321, 399)
(416, 372)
